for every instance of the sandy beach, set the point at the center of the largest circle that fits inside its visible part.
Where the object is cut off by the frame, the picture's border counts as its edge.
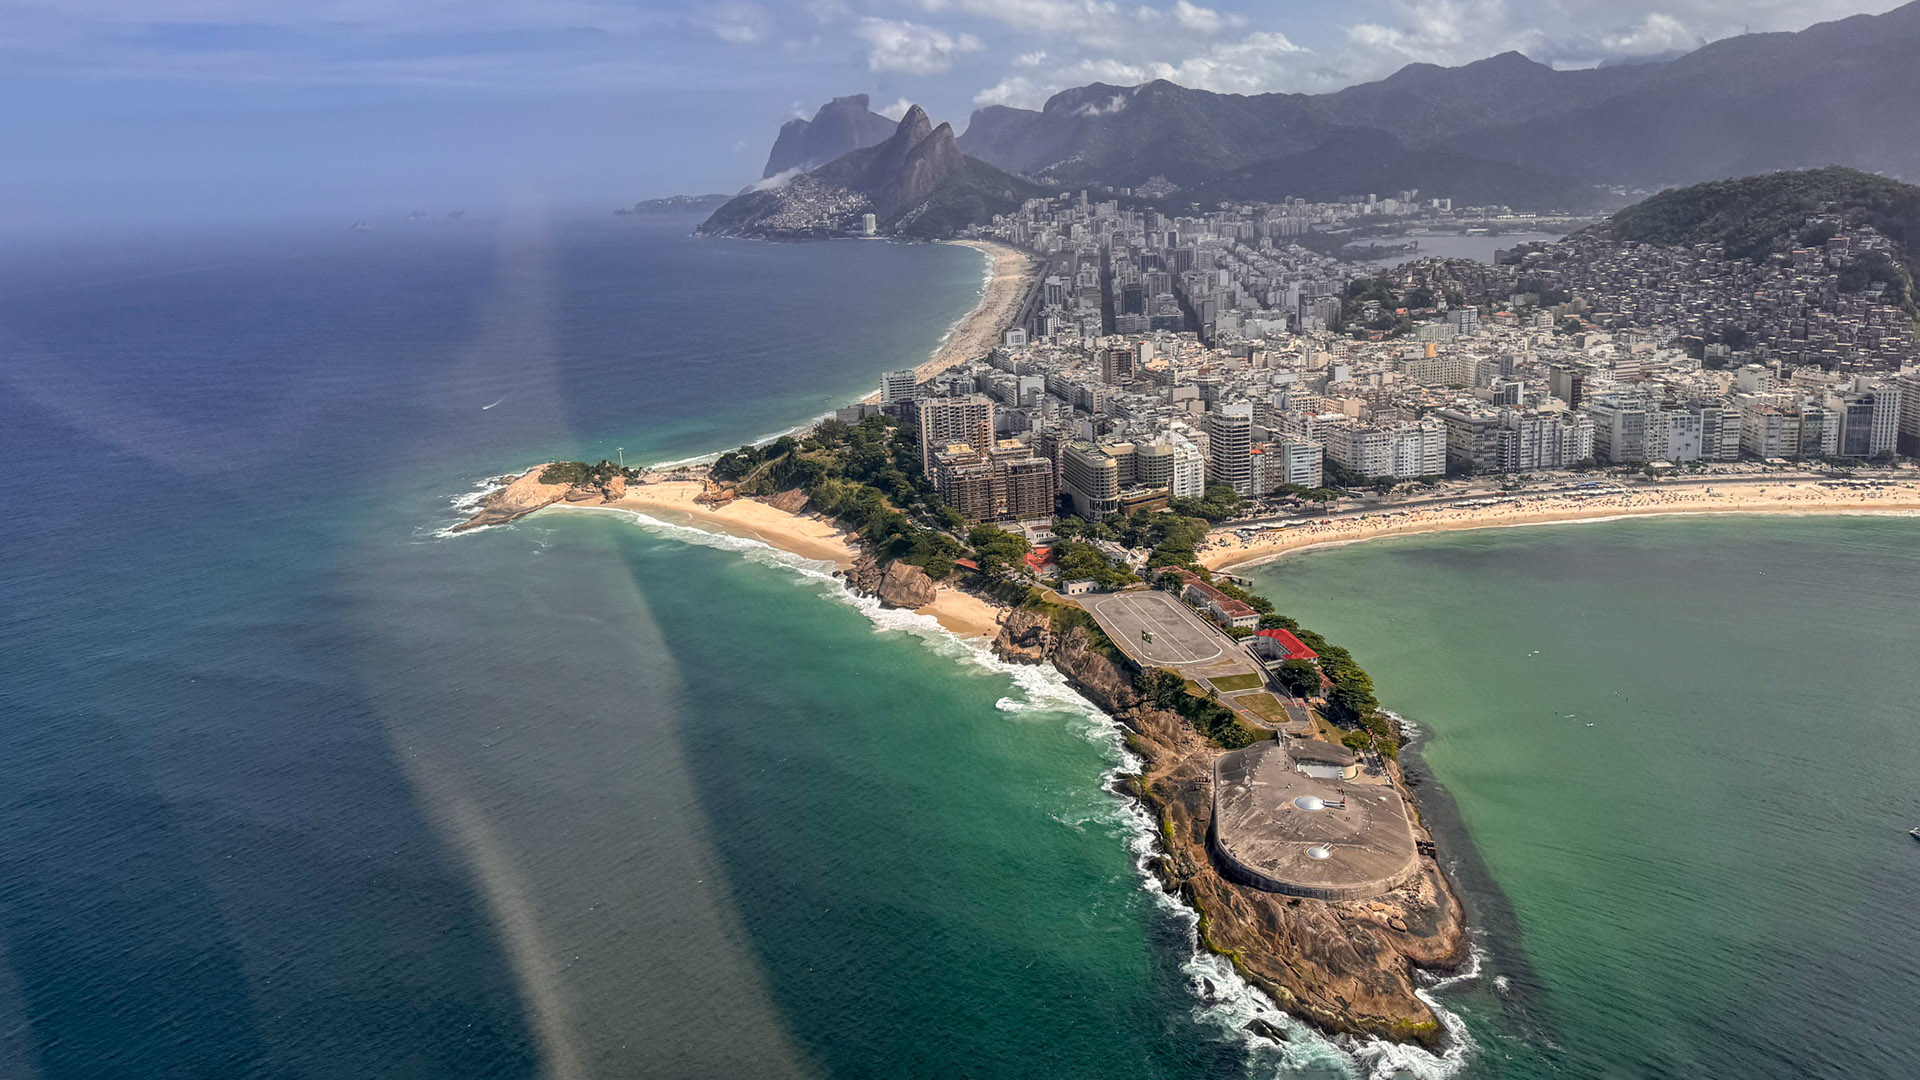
(1223, 549)
(805, 535)
(978, 332)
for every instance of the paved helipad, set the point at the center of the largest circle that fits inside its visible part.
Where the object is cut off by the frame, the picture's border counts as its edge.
(1179, 637)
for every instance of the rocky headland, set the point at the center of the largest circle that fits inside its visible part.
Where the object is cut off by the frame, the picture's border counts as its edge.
(1346, 966)
(541, 487)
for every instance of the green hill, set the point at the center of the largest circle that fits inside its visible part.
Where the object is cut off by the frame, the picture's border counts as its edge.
(1756, 216)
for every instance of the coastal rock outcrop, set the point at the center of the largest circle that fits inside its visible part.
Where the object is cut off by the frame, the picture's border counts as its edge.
(896, 584)
(518, 499)
(1025, 637)
(1347, 966)
(530, 492)
(791, 501)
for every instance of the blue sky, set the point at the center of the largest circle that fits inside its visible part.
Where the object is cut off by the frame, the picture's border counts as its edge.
(202, 109)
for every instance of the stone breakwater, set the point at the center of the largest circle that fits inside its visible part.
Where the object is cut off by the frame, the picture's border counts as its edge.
(1346, 966)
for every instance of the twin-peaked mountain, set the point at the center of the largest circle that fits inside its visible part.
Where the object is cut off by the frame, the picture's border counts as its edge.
(916, 183)
(1502, 130)
(841, 126)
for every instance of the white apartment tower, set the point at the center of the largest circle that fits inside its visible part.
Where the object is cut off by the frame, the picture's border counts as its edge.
(1230, 446)
(946, 422)
(896, 386)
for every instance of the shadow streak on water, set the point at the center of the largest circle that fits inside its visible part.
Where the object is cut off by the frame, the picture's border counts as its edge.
(196, 878)
(1493, 928)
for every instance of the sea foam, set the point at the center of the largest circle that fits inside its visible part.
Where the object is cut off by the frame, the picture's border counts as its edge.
(1233, 1003)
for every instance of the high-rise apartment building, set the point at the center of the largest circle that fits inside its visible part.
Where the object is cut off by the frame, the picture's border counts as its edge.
(1619, 429)
(1401, 451)
(1279, 463)
(1090, 478)
(896, 386)
(952, 421)
(1230, 446)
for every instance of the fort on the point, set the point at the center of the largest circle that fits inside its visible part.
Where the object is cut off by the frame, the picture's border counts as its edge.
(1280, 829)
(1290, 815)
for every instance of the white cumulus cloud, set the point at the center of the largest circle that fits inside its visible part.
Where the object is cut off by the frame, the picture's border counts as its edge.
(912, 48)
(1251, 64)
(737, 21)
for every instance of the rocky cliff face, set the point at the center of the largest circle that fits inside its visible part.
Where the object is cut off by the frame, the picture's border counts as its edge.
(1346, 966)
(1026, 637)
(911, 163)
(915, 182)
(896, 584)
(842, 125)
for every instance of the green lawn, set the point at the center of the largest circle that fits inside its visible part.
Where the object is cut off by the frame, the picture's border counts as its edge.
(1265, 706)
(1227, 684)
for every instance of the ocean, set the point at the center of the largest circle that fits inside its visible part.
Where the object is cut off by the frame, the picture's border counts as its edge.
(298, 785)
(1680, 759)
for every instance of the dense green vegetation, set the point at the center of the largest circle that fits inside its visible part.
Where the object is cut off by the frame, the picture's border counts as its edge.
(866, 475)
(1218, 504)
(1082, 561)
(1173, 538)
(1169, 690)
(996, 550)
(579, 473)
(1756, 216)
(1300, 677)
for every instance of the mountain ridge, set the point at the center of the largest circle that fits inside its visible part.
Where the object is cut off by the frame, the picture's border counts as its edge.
(916, 183)
(1838, 92)
(840, 126)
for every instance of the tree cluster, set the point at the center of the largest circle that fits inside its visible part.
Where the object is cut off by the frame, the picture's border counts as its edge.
(1169, 690)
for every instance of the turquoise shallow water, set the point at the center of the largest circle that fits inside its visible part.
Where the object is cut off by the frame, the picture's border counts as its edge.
(295, 786)
(1685, 754)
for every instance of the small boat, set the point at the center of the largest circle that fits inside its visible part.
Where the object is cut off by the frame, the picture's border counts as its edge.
(1915, 833)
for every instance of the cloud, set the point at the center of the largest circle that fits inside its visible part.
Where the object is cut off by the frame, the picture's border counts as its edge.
(1657, 33)
(1098, 25)
(1066, 43)
(896, 110)
(738, 22)
(1250, 64)
(910, 47)
(777, 180)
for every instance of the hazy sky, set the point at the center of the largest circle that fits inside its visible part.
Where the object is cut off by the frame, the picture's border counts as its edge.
(116, 109)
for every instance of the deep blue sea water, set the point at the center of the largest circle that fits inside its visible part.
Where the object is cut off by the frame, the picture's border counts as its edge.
(293, 785)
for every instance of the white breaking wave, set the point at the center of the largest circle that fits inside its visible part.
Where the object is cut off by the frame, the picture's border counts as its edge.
(466, 504)
(1234, 1002)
